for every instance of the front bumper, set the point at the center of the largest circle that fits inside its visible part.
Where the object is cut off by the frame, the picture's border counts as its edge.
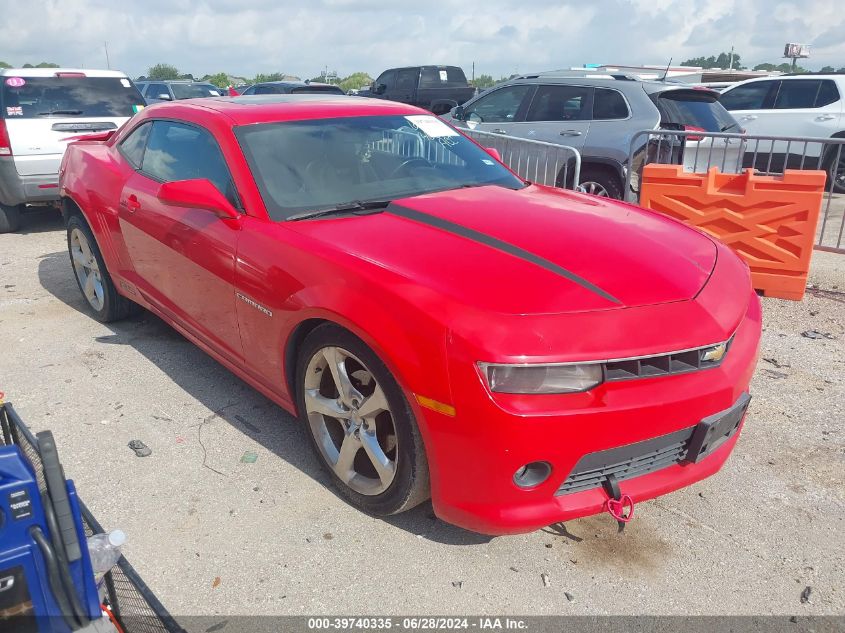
(475, 454)
(16, 189)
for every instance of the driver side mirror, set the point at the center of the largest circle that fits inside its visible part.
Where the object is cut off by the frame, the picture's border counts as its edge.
(164, 96)
(381, 88)
(458, 113)
(198, 193)
(494, 153)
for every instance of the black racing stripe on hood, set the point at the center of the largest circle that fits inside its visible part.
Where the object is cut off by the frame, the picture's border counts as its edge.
(493, 242)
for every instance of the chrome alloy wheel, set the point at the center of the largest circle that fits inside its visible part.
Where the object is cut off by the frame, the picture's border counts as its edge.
(593, 188)
(351, 420)
(87, 269)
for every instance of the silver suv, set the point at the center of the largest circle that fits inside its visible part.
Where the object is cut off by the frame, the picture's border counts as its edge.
(173, 90)
(598, 116)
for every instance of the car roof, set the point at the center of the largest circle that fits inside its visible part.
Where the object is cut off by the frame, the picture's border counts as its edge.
(294, 84)
(620, 82)
(173, 81)
(244, 110)
(52, 72)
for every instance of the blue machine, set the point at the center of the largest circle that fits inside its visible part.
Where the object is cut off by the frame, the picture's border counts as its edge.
(46, 580)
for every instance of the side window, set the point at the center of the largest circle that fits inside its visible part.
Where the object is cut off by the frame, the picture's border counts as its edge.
(177, 151)
(751, 96)
(132, 147)
(559, 103)
(265, 90)
(500, 106)
(388, 78)
(154, 91)
(407, 79)
(828, 93)
(609, 104)
(142, 88)
(797, 93)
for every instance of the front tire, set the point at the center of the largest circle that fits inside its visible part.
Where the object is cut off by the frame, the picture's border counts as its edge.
(359, 423)
(92, 277)
(836, 172)
(10, 218)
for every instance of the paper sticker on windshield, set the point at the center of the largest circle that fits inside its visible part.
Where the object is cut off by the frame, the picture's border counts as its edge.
(214, 93)
(137, 108)
(14, 111)
(125, 83)
(16, 82)
(431, 126)
(487, 162)
(443, 75)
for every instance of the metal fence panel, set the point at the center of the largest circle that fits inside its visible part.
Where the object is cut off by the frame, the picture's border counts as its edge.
(767, 155)
(540, 162)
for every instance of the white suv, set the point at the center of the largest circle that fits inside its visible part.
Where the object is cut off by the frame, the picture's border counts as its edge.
(806, 105)
(41, 110)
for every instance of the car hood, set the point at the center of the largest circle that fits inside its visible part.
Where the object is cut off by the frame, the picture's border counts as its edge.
(531, 251)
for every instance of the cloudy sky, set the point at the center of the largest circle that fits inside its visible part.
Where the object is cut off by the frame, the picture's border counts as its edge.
(301, 37)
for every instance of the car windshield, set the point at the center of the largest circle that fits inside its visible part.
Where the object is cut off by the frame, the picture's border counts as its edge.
(195, 91)
(324, 163)
(78, 96)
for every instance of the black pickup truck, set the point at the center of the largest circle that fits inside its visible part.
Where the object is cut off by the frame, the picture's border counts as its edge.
(435, 88)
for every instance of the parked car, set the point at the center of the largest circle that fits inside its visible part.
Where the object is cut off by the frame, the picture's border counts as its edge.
(490, 370)
(156, 91)
(599, 117)
(291, 87)
(435, 88)
(807, 105)
(41, 110)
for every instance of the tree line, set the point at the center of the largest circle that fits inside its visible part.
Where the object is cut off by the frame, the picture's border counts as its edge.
(727, 60)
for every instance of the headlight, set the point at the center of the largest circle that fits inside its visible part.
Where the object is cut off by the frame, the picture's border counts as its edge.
(542, 378)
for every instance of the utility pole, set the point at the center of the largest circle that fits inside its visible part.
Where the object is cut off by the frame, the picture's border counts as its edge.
(731, 64)
(473, 72)
(108, 63)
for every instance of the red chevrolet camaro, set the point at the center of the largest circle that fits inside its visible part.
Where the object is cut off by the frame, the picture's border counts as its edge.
(522, 355)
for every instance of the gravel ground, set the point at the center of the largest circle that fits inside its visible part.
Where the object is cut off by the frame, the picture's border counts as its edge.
(212, 534)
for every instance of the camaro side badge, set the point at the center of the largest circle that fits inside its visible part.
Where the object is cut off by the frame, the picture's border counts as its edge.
(254, 304)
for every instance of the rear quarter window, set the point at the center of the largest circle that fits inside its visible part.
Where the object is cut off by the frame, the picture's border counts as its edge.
(44, 97)
(444, 77)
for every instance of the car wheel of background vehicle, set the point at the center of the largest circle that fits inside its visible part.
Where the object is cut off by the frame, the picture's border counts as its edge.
(10, 218)
(600, 182)
(836, 172)
(93, 279)
(360, 423)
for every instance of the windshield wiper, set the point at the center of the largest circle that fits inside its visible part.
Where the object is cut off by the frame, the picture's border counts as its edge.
(356, 207)
(53, 112)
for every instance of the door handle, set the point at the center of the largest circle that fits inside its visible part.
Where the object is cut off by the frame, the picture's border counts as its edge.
(571, 133)
(749, 117)
(825, 117)
(131, 203)
(7, 583)
(500, 131)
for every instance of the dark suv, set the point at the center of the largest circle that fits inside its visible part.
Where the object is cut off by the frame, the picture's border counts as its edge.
(292, 87)
(435, 88)
(599, 116)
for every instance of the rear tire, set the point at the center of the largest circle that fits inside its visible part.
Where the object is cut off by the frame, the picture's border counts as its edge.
(835, 172)
(92, 277)
(10, 218)
(600, 182)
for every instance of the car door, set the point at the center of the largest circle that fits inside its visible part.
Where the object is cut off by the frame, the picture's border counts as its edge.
(406, 85)
(751, 105)
(558, 114)
(498, 111)
(808, 108)
(385, 84)
(183, 259)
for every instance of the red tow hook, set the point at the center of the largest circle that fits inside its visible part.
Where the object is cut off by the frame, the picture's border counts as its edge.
(616, 508)
(617, 502)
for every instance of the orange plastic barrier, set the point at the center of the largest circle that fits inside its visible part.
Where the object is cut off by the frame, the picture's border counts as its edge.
(770, 221)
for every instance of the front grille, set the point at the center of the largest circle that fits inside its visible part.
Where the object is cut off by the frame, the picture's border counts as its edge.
(626, 462)
(663, 364)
